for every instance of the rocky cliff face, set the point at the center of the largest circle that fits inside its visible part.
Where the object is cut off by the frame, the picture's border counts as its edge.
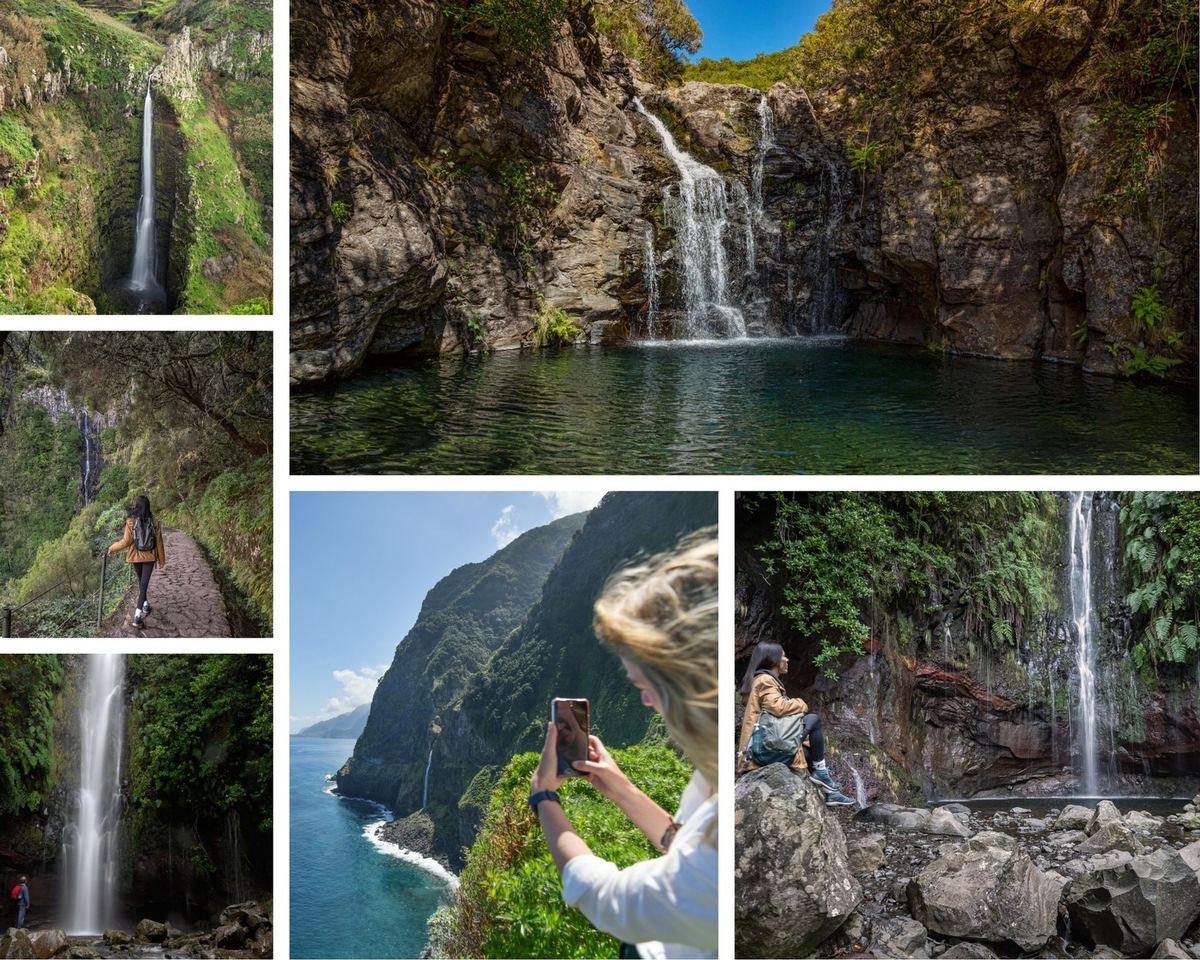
(441, 184)
(463, 619)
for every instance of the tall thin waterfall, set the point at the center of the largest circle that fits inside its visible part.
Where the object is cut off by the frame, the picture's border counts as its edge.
(650, 272)
(1080, 573)
(142, 277)
(699, 215)
(766, 140)
(425, 793)
(91, 851)
(87, 458)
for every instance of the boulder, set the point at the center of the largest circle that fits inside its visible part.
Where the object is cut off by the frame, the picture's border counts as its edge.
(1169, 948)
(900, 937)
(1133, 906)
(1139, 821)
(792, 874)
(150, 930)
(1191, 856)
(1073, 817)
(118, 938)
(944, 823)
(866, 854)
(1113, 835)
(229, 936)
(49, 943)
(1106, 812)
(968, 951)
(1052, 40)
(907, 819)
(16, 944)
(987, 892)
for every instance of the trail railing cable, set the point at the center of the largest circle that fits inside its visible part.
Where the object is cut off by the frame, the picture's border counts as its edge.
(57, 616)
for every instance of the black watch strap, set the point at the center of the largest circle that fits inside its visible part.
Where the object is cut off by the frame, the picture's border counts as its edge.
(541, 795)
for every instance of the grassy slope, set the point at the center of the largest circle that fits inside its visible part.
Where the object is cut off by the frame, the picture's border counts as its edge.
(57, 155)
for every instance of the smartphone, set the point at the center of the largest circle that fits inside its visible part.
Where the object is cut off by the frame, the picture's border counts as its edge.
(572, 716)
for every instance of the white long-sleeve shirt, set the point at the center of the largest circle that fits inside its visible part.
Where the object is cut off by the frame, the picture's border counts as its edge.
(667, 906)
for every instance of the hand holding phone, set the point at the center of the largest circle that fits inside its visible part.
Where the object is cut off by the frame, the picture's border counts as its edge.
(572, 718)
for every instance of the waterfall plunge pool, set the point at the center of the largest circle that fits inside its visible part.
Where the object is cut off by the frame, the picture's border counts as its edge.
(743, 406)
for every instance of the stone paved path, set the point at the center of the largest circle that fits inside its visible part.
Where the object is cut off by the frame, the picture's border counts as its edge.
(184, 599)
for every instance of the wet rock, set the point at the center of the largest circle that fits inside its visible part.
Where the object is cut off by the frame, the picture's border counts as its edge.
(900, 937)
(866, 854)
(82, 953)
(944, 823)
(49, 943)
(151, 930)
(793, 873)
(229, 936)
(118, 938)
(986, 892)
(1106, 812)
(1113, 835)
(1133, 906)
(968, 951)
(15, 944)
(1169, 948)
(1073, 817)
(908, 819)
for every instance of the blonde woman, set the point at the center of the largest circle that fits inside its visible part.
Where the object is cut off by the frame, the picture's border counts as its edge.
(661, 620)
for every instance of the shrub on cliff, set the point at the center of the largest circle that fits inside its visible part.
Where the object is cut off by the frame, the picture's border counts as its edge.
(27, 688)
(509, 902)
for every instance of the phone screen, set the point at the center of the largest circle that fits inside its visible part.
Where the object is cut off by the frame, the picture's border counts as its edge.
(572, 718)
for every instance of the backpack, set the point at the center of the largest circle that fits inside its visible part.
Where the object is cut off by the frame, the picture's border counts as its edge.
(16, 893)
(143, 534)
(776, 739)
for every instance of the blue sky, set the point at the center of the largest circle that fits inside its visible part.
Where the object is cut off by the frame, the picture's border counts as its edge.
(742, 28)
(361, 563)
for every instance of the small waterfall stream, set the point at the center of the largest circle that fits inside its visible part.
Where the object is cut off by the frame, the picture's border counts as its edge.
(87, 458)
(425, 792)
(700, 216)
(650, 273)
(91, 853)
(1080, 581)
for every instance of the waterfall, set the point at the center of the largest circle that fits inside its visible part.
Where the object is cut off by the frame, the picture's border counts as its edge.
(824, 299)
(142, 277)
(650, 272)
(860, 789)
(699, 215)
(766, 140)
(91, 850)
(1080, 583)
(425, 793)
(87, 458)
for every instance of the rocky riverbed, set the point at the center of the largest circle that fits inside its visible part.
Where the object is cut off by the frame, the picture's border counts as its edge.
(956, 881)
(242, 930)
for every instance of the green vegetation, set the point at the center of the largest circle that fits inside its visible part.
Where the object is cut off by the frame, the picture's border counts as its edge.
(523, 25)
(553, 326)
(530, 196)
(761, 72)
(841, 558)
(1162, 556)
(509, 903)
(28, 686)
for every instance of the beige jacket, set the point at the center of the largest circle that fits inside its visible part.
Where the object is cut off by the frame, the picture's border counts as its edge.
(158, 554)
(766, 693)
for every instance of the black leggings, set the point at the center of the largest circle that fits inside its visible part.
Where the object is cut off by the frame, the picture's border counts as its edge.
(815, 751)
(142, 571)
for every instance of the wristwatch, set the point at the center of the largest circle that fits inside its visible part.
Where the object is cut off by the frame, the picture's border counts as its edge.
(541, 795)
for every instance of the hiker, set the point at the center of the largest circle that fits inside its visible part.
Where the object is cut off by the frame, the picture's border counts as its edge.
(660, 618)
(144, 538)
(762, 690)
(20, 893)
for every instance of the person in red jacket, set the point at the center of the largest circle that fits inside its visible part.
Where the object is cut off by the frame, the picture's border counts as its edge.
(144, 540)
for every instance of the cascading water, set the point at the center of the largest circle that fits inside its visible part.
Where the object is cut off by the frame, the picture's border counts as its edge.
(1080, 581)
(425, 792)
(91, 838)
(143, 276)
(700, 216)
(87, 458)
(650, 272)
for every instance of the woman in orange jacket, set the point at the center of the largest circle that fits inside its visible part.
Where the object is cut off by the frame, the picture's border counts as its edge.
(761, 690)
(144, 539)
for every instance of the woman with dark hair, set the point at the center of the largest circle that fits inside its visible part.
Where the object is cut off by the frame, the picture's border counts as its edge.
(761, 690)
(144, 538)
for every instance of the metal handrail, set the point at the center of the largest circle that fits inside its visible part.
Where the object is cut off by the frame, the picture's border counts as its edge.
(77, 617)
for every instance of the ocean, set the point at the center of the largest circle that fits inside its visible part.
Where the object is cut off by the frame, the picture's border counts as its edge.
(352, 895)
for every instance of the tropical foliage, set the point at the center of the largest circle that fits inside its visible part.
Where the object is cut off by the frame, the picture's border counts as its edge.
(28, 686)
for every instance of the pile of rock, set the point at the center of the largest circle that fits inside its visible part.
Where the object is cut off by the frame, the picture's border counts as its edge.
(949, 883)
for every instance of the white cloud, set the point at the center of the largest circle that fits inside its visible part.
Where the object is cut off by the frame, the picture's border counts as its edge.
(359, 687)
(563, 504)
(505, 530)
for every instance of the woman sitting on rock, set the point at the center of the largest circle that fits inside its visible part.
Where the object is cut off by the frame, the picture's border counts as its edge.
(661, 620)
(144, 538)
(762, 690)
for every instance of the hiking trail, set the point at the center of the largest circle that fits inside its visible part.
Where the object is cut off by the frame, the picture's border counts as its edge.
(184, 598)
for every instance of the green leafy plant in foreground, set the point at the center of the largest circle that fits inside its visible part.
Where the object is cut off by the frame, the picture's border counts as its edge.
(509, 903)
(553, 326)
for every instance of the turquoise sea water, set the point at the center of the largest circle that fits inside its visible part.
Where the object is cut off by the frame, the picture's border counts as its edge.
(351, 896)
(751, 406)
